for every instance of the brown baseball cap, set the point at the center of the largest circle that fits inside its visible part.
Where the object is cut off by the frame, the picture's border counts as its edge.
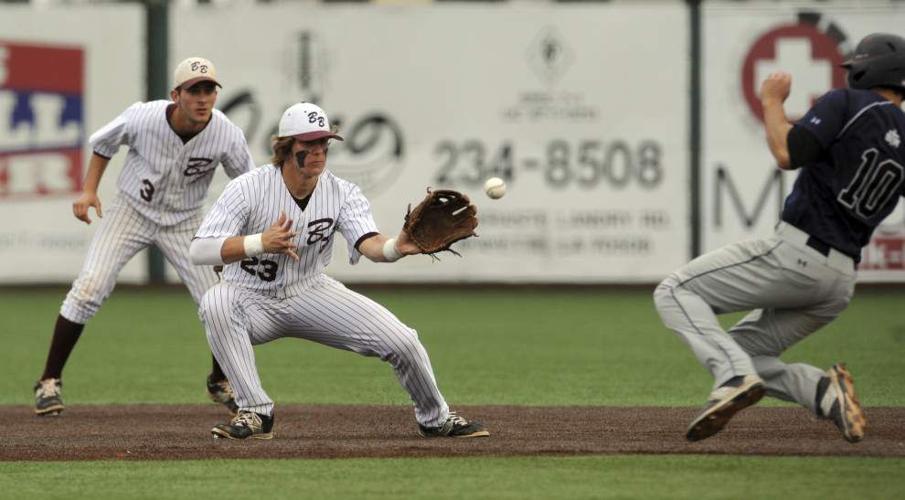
(194, 70)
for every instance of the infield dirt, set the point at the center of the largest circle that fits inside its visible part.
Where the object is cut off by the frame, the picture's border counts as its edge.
(154, 432)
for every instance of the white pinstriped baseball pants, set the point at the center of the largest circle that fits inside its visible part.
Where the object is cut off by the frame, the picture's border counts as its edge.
(237, 318)
(122, 233)
(793, 291)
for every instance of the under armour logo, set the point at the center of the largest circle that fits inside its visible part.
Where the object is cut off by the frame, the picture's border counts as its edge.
(802, 263)
(892, 138)
(816, 121)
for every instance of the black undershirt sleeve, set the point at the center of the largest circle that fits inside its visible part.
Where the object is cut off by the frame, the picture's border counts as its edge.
(364, 237)
(804, 147)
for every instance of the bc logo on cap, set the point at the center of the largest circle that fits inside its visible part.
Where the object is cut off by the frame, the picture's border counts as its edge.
(193, 70)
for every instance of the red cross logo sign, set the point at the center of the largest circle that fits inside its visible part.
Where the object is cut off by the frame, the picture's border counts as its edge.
(810, 55)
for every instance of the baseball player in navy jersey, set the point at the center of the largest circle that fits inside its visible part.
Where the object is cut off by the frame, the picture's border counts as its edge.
(850, 152)
(174, 147)
(273, 229)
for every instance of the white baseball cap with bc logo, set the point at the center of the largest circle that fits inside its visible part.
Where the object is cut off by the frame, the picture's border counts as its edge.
(194, 70)
(306, 122)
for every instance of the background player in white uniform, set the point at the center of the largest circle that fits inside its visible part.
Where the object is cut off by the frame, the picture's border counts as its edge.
(174, 147)
(274, 228)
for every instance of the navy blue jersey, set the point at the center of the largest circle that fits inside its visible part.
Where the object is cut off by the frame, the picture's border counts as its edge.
(858, 178)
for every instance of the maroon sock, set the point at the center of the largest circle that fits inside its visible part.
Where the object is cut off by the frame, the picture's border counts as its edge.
(65, 335)
(216, 372)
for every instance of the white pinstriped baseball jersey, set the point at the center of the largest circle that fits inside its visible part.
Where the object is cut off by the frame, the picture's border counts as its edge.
(272, 296)
(163, 178)
(252, 202)
(161, 188)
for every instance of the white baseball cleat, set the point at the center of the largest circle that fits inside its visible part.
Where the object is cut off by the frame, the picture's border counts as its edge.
(724, 402)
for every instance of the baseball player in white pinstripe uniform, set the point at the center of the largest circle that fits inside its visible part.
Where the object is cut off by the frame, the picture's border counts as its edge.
(174, 148)
(273, 229)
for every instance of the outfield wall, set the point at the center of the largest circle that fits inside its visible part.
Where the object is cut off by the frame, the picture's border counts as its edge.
(583, 108)
(551, 98)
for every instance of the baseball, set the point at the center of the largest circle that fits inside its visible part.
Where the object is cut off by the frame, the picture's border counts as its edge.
(495, 188)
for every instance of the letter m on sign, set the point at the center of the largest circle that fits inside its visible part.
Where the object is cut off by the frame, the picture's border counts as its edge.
(725, 188)
(42, 126)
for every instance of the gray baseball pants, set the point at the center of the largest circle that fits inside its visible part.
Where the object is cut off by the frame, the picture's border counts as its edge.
(791, 290)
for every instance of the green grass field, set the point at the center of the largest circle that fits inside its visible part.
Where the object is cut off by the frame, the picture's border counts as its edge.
(692, 477)
(522, 347)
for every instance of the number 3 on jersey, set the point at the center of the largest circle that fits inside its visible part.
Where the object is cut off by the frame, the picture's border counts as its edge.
(267, 272)
(873, 185)
(147, 190)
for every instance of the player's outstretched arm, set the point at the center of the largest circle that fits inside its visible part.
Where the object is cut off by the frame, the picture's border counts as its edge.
(89, 198)
(773, 94)
(380, 248)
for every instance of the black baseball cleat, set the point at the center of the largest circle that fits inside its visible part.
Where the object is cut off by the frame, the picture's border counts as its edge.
(221, 391)
(725, 401)
(245, 425)
(48, 397)
(455, 427)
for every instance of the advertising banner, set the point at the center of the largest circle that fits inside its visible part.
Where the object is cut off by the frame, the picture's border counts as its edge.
(742, 189)
(57, 85)
(578, 108)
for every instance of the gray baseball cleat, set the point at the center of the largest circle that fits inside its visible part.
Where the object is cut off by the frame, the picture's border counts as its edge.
(245, 425)
(48, 397)
(222, 392)
(846, 411)
(724, 402)
(456, 427)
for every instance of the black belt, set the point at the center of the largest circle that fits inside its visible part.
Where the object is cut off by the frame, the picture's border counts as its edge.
(818, 245)
(824, 249)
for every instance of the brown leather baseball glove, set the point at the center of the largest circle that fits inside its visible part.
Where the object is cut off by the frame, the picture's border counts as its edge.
(442, 218)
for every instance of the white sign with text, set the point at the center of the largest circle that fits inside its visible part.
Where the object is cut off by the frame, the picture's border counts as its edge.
(561, 101)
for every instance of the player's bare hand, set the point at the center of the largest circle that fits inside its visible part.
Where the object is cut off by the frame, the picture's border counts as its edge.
(81, 205)
(278, 237)
(776, 87)
(405, 245)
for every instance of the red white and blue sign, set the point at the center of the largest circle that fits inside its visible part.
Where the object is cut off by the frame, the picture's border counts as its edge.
(42, 119)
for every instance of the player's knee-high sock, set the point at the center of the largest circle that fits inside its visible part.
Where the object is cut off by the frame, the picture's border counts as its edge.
(65, 335)
(216, 372)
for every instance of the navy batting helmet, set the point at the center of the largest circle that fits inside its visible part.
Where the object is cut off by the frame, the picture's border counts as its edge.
(878, 61)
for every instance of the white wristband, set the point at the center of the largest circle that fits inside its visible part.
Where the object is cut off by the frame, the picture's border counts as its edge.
(389, 251)
(253, 244)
